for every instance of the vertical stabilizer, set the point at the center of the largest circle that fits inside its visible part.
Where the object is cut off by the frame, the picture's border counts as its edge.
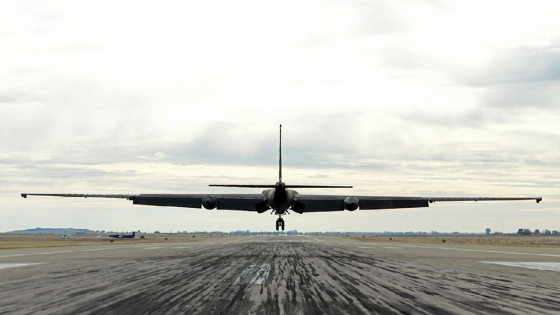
(280, 162)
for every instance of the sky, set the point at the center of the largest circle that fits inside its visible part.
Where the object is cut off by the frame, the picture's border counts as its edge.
(398, 98)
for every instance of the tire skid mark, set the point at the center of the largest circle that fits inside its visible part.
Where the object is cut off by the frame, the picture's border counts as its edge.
(368, 285)
(304, 278)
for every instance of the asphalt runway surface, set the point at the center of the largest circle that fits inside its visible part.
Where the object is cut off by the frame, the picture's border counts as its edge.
(280, 275)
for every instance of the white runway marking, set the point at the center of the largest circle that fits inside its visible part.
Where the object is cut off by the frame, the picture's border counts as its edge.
(96, 249)
(225, 243)
(6, 266)
(548, 266)
(392, 247)
(314, 239)
(243, 238)
(259, 272)
(482, 251)
(152, 247)
(45, 253)
(179, 247)
(93, 249)
(109, 247)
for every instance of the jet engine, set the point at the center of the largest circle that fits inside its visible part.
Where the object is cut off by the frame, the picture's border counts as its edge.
(351, 203)
(209, 202)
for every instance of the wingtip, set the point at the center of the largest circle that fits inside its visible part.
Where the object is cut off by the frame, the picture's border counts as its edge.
(539, 199)
(24, 195)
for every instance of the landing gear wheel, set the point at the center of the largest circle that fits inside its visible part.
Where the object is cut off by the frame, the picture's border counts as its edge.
(280, 223)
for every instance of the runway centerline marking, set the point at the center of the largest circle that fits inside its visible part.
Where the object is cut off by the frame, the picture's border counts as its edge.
(153, 247)
(548, 266)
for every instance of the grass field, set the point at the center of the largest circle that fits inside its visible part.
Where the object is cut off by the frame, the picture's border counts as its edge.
(497, 240)
(54, 240)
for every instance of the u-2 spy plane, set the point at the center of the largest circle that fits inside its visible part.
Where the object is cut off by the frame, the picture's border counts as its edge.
(122, 235)
(282, 198)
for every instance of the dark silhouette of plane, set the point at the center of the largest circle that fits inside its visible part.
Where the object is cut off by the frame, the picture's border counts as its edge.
(281, 199)
(123, 236)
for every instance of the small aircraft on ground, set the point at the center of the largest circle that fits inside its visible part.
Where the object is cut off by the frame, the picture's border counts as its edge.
(123, 235)
(281, 198)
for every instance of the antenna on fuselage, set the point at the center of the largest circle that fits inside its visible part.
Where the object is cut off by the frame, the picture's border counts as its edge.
(280, 162)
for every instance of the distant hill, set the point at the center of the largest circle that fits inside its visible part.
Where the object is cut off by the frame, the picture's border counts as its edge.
(53, 231)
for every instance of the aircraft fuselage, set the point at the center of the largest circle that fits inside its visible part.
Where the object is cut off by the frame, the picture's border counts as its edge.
(280, 199)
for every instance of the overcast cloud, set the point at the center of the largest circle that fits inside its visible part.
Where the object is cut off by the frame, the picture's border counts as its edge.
(446, 98)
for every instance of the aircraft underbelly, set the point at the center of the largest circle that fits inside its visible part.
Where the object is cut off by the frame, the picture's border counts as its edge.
(280, 207)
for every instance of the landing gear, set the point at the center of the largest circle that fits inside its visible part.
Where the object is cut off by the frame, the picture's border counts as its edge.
(280, 223)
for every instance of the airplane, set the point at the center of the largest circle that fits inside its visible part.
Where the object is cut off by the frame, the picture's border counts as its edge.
(281, 198)
(123, 236)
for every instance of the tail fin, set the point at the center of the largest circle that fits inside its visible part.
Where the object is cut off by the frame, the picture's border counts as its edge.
(280, 163)
(279, 177)
(133, 233)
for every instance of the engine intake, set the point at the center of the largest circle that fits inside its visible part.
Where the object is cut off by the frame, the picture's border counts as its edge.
(209, 202)
(351, 203)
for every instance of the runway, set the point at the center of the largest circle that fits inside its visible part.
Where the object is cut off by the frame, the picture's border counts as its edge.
(280, 275)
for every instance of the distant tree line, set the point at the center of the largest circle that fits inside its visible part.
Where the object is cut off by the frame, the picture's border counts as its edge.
(526, 231)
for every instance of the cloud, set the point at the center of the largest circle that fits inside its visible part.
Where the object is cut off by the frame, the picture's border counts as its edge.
(557, 210)
(394, 97)
(520, 65)
(527, 96)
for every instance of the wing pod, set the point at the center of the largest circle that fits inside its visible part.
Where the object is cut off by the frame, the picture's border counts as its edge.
(351, 203)
(209, 202)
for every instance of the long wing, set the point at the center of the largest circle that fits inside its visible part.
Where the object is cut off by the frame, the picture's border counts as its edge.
(241, 202)
(303, 203)
(322, 203)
